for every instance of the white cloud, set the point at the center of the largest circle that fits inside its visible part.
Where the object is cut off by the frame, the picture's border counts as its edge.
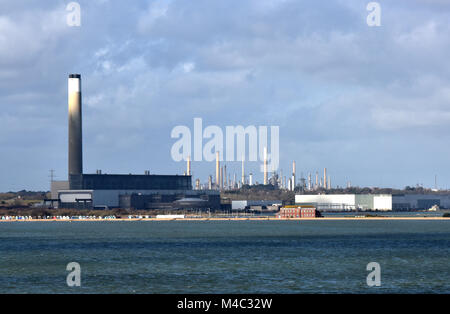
(26, 34)
(188, 67)
(314, 68)
(156, 11)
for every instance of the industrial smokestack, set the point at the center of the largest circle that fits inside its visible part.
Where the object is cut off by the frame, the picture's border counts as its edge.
(265, 166)
(225, 176)
(221, 178)
(189, 166)
(281, 178)
(243, 171)
(294, 180)
(217, 169)
(75, 130)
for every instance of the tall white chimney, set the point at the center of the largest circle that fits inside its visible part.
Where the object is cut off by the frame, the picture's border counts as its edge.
(75, 126)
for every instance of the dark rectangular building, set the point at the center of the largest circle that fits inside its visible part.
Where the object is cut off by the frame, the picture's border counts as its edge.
(129, 182)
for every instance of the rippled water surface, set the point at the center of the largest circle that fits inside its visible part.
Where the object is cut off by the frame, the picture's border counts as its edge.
(225, 256)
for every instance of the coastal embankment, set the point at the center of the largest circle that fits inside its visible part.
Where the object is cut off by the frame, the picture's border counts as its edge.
(223, 219)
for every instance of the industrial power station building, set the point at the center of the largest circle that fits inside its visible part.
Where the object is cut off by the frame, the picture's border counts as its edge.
(386, 202)
(146, 191)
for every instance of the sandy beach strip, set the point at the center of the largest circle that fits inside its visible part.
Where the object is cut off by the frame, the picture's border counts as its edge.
(229, 219)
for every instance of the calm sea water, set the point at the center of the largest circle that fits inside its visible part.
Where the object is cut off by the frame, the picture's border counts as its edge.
(226, 256)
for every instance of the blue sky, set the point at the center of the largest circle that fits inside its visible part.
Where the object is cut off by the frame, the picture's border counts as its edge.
(372, 104)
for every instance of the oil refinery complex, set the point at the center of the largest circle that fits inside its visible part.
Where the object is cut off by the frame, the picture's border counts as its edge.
(223, 181)
(175, 192)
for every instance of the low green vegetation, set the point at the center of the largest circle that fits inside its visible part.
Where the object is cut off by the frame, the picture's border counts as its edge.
(259, 192)
(22, 199)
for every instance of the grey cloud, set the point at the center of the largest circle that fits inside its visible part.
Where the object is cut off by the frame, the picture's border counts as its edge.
(329, 81)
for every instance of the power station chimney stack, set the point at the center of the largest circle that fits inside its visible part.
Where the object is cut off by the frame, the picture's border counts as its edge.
(324, 178)
(75, 130)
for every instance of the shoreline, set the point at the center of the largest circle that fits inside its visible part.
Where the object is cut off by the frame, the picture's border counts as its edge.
(227, 219)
